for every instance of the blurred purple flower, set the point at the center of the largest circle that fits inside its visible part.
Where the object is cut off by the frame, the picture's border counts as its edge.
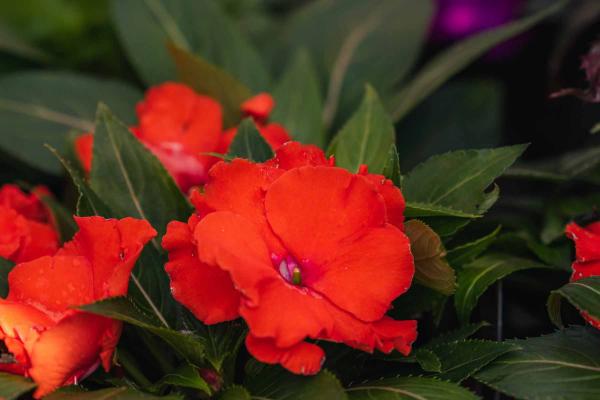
(456, 19)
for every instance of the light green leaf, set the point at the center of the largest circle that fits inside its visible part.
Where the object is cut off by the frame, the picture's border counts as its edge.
(365, 138)
(5, 267)
(186, 344)
(196, 26)
(42, 107)
(13, 386)
(458, 179)
(475, 278)
(468, 252)
(249, 144)
(563, 365)
(409, 388)
(116, 393)
(212, 81)
(298, 101)
(274, 383)
(458, 56)
(584, 294)
(358, 42)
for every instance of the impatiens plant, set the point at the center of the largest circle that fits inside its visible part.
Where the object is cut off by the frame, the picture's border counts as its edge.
(241, 227)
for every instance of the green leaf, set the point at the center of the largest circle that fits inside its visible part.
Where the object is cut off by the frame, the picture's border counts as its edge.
(196, 26)
(13, 386)
(468, 252)
(458, 334)
(186, 344)
(249, 144)
(459, 360)
(431, 268)
(428, 360)
(5, 267)
(458, 179)
(235, 393)
(298, 101)
(274, 383)
(562, 365)
(416, 209)
(475, 278)
(458, 56)
(12, 43)
(391, 169)
(366, 137)
(584, 294)
(42, 107)
(212, 81)
(135, 184)
(186, 376)
(62, 217)
(359, 42)
(116, 393)
(407, 388)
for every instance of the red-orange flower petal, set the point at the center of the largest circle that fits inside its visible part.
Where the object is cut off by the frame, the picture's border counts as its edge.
(276, 135)
(302, 358)
(259, 106)
(206, 290)
(294, 155)
(84, 149)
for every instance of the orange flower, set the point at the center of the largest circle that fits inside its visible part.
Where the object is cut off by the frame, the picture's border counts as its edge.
(587, 251)
(26, 231)
(299, 249)
(180, 127)
(46, 338)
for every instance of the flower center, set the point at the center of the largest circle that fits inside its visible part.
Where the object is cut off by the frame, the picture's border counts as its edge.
(290, 270)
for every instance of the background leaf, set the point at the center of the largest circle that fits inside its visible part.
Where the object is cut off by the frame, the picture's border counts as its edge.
(563, 365)
(583, 294)
(365, 138)
(13, 386)
(298, 101)
(465, 253)
(475, 278)
(42, 107)
(404, 388)
(196, 26)
(5, 267)
(116, 393)
(249, 144)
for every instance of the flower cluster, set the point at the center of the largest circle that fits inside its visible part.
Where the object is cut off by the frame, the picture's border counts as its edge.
(183, 128)
(300, 249)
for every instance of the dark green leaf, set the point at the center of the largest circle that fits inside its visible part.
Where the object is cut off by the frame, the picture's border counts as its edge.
(416, 209)
(249, 144)
(456, 335)
(391, 169)
(298, 101)
(235, 393)
(13, 386)
(347, 37)
(366, 137)
(62, 217)
(407, 388)
(12, 43)
(41, 107)
(212, 81)
(186, 344)
(428, 360)
(116, 393)
(583, 294)
(459, 360)
(5, 267)
(135, 184)
(475, 278)
(468, 252)
(274, 383)
(196, 26)
(563, 365)
(458, 179)
(186, 376)
(448, 63)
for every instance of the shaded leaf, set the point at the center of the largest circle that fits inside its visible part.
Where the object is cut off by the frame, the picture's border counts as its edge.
(458, 179)
(116, 393)
(458, 334)
(62, 218)
(476, 277)
(249, 144)
(562, 365)
(468, 252)
(42, 107)
(5, 267)
(212, 81)
(12, 43)
(235, 393)
(391, 169)
(13, 386)
(458, 56)
(196, 26)
(405, 388)
(186, 376)
(431, 268)
(186, 344)
(298, 101)
(365, 138)
(584, 294)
